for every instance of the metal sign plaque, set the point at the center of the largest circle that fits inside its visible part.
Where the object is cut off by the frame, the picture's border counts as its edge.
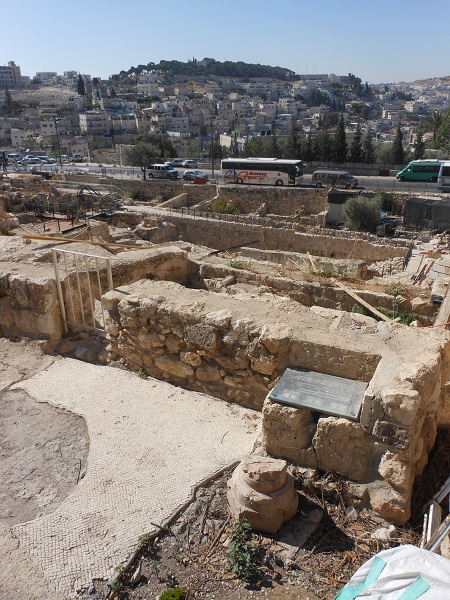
(323, 393)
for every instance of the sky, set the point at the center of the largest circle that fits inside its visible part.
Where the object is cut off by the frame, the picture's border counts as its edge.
(384, 41)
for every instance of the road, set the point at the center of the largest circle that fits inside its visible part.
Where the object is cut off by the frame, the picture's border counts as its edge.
(388, 184)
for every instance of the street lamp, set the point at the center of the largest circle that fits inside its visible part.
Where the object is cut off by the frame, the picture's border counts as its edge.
(57, 141)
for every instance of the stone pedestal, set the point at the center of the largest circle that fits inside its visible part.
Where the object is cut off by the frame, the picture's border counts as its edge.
(262, 491)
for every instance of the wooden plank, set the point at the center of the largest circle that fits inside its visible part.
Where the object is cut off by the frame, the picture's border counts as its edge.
(355, 296)
(71, 241)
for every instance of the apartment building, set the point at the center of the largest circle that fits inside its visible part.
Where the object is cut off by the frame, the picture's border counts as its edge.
(95, 122)
(10, 77)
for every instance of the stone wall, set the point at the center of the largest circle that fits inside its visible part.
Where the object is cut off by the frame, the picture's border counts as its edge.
(277, 200)
(236, 349)
(214, 343)
(223, 234)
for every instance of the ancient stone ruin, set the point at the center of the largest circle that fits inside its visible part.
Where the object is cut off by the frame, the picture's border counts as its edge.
(198, 313)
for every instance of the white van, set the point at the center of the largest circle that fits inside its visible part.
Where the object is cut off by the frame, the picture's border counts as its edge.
(443, 182)
(162, 172)
(14, 157)
(327, 178)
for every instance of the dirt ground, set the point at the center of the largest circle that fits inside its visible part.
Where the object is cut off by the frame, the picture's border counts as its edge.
(311, 557)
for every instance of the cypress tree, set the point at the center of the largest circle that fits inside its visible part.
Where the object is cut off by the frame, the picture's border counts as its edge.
(356, 146)
(368, 151)
(419, 146)
(398, 154)
(81, 88)
(340, 142)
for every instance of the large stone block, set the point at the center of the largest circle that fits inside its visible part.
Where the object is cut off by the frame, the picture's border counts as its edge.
(262, 491)
(344, 447)
(401, 404)
(286, 431)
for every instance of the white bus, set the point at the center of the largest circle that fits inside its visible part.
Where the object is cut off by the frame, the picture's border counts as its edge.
(265, 171)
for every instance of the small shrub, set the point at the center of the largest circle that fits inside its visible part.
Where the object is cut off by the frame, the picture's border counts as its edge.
(360, 310)
(327, 270)
(240, 264)
(241, 555)
(178, 593)
(362, 213)
(227, 208)
(142, 373)
(143, 540)
(138, 195)
(395, 289)
(150, 276)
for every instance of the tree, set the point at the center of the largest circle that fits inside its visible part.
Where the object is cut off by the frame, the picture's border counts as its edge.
(166, 148)
(11, 107)
(368, 151)
(434, 121)
(274, 149)
(81, 88)
(293, 147)
(340, 142)
(442, 139)
(419, 146)
(141, 154)
(356, 152)
(255, 147)
(398, 154)
(323, 146)
(308, 151)
(362, 213)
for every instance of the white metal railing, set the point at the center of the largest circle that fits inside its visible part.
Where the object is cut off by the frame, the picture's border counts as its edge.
(78, 277)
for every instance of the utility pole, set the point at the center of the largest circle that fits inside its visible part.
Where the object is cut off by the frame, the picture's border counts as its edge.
(212, 148)
(57, 141)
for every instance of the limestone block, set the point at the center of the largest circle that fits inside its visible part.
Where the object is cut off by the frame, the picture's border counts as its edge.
(208, 374)
(286, 431)
(444, 418)
(202, 336)
(262, 491)
(344, 447)
(173, 343)
(191, 358)
(220, 319)
(401, 404)
(265, 365)
(396, 472)
(371, 409)
(174, 367)
(390, 505)
(275, 336)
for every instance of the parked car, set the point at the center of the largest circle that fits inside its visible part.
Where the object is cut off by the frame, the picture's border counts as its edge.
(30, 160)
(65, 158)
(192, 174)
(77, 158)
(190, 164)
(47, 160)
(176, 162)
(13, 157)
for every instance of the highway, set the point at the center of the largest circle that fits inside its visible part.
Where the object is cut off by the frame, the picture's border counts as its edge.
(388, 184)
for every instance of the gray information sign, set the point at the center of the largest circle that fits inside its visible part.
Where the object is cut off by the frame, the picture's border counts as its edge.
(323, 393)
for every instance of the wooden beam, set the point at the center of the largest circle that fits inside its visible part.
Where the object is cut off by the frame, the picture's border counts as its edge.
(355, 296)
(71, 241)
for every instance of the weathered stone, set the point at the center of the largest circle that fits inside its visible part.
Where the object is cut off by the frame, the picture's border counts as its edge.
(220, 319)
(262, 491)
(263, 364)
(342, 446)
(396, 472)
(286, 431)
(202, 336)
(173, 343)
(174, 367)
(390, 505)
(401, 404)
(191, 358)
(275, 336)
(208, 374)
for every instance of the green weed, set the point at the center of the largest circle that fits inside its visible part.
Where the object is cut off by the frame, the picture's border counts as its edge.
(241, 555)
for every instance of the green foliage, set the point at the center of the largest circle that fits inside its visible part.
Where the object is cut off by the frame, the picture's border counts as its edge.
(227, 208)
(398, 154)
(360, 310)
(293, 146)
(340, 142)
(395, 289)
(241, 264)
(327, 270)
(142, 373)
(356, 152)
(241, 554)
(81, 88)
(362, 213)
(143, 540)
(150, 276)
(419, 146)
(178, 593)
(368, 151)
(142, 154)
(138, 195)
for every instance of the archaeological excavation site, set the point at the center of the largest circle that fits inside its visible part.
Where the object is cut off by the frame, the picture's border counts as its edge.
(332, 343)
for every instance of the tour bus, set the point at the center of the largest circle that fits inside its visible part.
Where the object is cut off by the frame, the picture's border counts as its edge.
(420, 170)
(443, 182)
(265, 171)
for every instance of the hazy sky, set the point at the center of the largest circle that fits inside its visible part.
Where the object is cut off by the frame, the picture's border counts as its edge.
(379, 41)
